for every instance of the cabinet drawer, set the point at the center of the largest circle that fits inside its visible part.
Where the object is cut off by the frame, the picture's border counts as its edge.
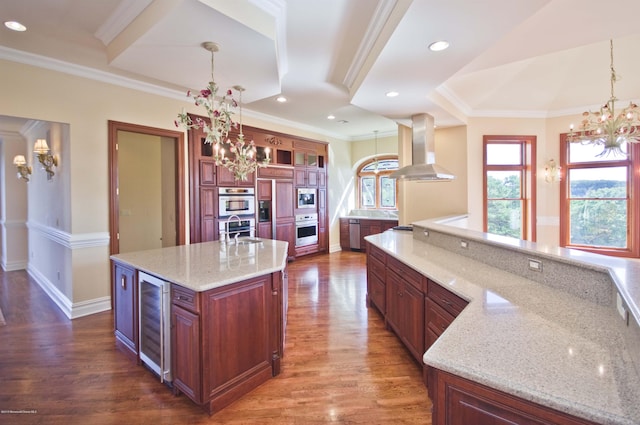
(437, 318)
(405, 272)
(376, 252)
(376, 267)
(446, 299)
(185, 298)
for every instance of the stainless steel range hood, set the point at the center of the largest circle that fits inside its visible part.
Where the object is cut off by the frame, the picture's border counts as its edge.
(423, 165)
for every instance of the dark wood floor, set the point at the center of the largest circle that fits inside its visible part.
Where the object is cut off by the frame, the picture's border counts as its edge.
(340, 365)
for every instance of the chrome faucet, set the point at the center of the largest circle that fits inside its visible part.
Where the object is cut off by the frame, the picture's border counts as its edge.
(226, 226)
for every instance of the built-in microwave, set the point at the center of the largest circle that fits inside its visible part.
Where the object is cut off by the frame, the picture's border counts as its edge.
(236, 201)
(307, 198)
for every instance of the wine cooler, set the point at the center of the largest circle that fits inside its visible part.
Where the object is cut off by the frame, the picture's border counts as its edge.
(155, 318)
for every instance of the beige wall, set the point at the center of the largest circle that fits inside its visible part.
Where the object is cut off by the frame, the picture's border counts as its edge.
(140, 187)
(363, 150)
(421, 200)
(13, 204)
(547, 132)
(71, 212)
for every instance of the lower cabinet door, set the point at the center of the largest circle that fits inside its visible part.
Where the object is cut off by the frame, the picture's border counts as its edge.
(186, 352)
(125, 306)
(413, 323)
(457, 401)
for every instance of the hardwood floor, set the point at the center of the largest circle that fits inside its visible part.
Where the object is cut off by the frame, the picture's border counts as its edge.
(340, 363)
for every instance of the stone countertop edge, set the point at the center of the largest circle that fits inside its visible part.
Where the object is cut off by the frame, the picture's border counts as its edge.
(625, 273)
(490, 342)
(372, 218)
(209, 265)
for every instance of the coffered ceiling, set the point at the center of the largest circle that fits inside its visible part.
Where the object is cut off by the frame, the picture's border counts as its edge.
(526, 58)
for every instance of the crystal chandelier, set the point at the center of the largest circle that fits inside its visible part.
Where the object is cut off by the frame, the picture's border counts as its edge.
(242, 160)
(607, 129)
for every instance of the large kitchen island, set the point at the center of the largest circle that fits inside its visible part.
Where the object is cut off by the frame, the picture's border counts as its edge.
(226, 308)
(511, 332)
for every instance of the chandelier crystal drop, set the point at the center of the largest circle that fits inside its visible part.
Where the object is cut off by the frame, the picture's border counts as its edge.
(242, 159)
(605, 128)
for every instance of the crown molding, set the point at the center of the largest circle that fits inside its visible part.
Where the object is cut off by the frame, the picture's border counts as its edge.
(51, 64)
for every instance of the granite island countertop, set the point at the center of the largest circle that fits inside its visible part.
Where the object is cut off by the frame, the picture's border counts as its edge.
(208, 265)
(528, 339)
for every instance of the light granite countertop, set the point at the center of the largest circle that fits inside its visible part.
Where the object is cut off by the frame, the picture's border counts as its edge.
(525, 338)
(208, 265)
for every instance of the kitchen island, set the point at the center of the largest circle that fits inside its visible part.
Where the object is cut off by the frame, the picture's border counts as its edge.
(549, 335)
(228, 304)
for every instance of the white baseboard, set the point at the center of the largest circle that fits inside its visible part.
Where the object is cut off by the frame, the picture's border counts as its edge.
(334, 248)
(11, 266)
(70, 309)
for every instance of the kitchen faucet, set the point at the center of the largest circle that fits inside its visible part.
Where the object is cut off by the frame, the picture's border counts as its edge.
(235, 238)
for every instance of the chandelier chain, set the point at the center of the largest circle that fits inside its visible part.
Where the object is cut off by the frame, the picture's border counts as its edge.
(605, 128)
(242, 159)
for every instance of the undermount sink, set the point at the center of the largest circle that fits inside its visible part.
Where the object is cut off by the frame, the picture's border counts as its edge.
(246, 241)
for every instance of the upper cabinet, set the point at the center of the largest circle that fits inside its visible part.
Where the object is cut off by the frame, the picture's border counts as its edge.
(309, 162)
(280, 149)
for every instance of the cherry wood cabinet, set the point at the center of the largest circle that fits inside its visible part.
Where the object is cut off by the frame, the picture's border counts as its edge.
(442, 307)
(368, 226)
(345, 243)
(458, 401)
(284, 214)
(323, 230)
(405, 306)
(376, 279)
(285, 151)
(185, 331)
(397, 291)
(227, 340)
(125, 306)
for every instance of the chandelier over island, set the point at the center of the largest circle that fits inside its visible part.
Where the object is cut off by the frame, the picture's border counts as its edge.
(242, 159)
(605, 128)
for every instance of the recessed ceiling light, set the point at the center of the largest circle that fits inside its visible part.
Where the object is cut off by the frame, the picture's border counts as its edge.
(281, 99)
(438, 45)
(392, 94)
(15, 26)
(331, 117)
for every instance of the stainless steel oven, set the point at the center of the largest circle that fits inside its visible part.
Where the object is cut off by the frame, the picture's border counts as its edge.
(236, 201)
(236, 226)
(306, 229)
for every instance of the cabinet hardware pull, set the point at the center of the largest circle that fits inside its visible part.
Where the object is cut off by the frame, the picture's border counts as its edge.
(447, 302)
(123, 282)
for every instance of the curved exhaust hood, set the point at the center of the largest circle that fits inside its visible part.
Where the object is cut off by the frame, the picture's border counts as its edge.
(423, 166)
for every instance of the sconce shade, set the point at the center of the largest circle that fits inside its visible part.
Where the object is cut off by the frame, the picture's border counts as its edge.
(41, 147)
(23, 169)
(48, 161)
(19, 160)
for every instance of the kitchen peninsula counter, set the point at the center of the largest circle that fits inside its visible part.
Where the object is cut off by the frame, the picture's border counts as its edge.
(559, 344)
(226, 304)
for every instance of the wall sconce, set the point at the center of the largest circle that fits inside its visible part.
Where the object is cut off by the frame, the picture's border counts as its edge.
(551, 171)
(46, 159)
(23, 169)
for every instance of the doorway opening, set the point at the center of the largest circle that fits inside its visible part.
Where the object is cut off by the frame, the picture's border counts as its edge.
(146, 187)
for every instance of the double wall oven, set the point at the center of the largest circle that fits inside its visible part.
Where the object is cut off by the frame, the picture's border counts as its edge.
(306, 229)
(236, 212)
